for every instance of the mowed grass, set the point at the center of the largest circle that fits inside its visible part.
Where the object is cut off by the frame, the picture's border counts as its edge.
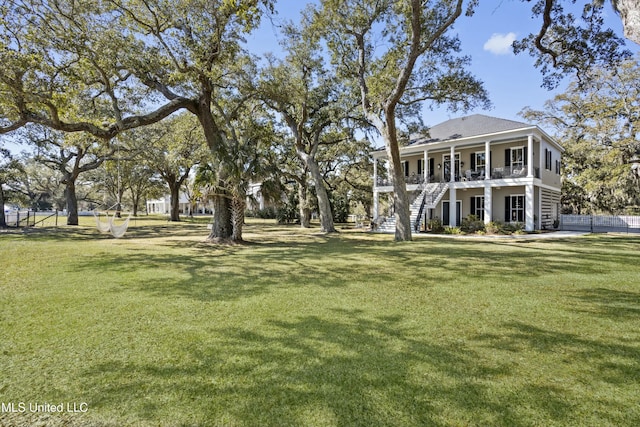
(301, 329)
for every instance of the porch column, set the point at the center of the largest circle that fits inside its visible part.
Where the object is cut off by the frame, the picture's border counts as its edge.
(375, 174)
(539, 213)
(488, 203)
(530, 156)
(425, 166)
(376, 203)
(453, 218)
(529, 204)
(375, 189)
(487, 164)
(452, 165)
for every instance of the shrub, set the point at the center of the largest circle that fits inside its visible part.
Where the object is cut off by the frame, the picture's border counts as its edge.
(512, 227)
(497, 227)
(435, 225)
(287, 214)
(492, 228)
(472, 224)
(266, 213)
(452, 230)
(339, 207)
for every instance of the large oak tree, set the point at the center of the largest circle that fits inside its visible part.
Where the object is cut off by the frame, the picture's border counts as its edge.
(400, 54)
(310, 101)
(104, 67)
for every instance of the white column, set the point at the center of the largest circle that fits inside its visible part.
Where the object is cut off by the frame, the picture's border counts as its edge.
(375, 173)
(453, 218)
(375, 188)
(529, 207)
(488, 203)
(425, 166)
(487, 162)
(530, 157)
(541, 158)
(376, 204)
(452, 165)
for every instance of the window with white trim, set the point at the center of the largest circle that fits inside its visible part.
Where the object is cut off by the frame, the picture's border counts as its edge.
(514, 208)
(479, 161)
(477, 207)
(517, 157)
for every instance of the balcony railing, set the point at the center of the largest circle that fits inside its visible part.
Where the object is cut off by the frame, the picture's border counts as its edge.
(513, 172)
(412, 179)
(468, 175)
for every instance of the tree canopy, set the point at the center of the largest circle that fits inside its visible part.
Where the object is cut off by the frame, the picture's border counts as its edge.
(572, 44)
(104, 67)
(599, 125)
(100, 68)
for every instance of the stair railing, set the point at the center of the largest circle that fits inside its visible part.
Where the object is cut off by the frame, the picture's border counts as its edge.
(418, 221)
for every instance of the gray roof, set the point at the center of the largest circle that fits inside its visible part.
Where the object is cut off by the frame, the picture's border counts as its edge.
(464, 127)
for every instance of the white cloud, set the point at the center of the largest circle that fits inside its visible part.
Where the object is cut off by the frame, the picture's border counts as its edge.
(500, 44)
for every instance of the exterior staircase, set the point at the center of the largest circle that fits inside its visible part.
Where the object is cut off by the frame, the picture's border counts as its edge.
(427, 199)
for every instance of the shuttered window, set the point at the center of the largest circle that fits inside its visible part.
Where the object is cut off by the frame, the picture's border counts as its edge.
(477, 206)
(514, 208)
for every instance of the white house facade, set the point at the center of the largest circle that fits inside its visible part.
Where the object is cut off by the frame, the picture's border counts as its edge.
(163, 206)
(497, 169)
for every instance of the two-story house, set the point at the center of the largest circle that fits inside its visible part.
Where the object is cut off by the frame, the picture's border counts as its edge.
(496, 169)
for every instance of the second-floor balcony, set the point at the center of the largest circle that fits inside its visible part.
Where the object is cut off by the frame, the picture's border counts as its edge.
(497, 173)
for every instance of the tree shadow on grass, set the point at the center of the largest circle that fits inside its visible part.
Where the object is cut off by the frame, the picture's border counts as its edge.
(506, 262)
(596, 249)
(600, 360)
(213, 274)
(217, 272)
(348, 370)
(61, 234)
(611, 303)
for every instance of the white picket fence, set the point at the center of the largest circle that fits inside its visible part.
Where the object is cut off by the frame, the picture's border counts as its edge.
(601, 223)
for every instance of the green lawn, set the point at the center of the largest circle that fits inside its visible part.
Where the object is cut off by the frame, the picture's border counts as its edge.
(300, 329)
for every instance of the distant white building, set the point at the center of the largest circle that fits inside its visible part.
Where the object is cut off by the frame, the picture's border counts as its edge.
(163, 206)
(255, 200)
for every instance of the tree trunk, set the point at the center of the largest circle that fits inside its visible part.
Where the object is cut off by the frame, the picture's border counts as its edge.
(237, 217)
(3, 219)
(135, 198)
(303, 206)
(174, 213)
(119, 194)
(72, 202)
(324, 206)
(630, 13)
(400, 197)
(221, 228)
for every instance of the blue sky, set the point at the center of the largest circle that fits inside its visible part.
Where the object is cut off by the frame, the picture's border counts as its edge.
(512, 81)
